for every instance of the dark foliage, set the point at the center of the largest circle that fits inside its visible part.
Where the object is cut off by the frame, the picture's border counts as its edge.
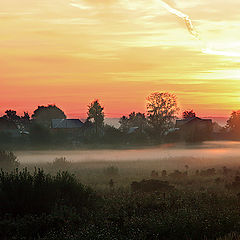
(188, 114)
(161, 110)
(233, 124)
(40, 135)
(95, 113)
(44, 114)
(112, 135)
(23, 193)
(8, 160)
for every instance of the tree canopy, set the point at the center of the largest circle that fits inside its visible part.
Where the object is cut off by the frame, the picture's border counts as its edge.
(233, 123)
(95, 113)
(11, 115)
(44, 114)
(133, 120)
(188, 114)
(161, 111)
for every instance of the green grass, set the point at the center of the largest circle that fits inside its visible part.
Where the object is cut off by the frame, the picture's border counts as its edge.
(62, 207)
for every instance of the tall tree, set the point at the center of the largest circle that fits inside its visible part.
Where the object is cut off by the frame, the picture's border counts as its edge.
(95, 113)
(233, 123)
(124, 124)
(11, 119)
(161, 111)
(45, 114)
(188, 114)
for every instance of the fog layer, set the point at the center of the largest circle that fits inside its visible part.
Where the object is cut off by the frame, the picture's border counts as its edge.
(208, 152)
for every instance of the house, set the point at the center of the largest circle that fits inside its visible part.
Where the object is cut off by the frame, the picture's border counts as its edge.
(71, 129)
(66, 124)
(194, 129)
(74, 129)
(133, 130)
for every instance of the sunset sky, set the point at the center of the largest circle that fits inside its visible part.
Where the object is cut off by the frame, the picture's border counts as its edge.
(69, 53)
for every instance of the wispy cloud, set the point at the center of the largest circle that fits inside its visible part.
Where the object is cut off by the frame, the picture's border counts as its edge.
(94, 46)
(81, 6)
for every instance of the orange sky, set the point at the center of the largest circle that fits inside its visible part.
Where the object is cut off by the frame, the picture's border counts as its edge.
(69, 52)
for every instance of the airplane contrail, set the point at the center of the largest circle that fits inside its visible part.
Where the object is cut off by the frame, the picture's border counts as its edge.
(182, 15)
(191, 28)
(194, 32)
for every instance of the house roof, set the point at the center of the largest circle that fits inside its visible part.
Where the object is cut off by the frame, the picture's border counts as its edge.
(182, 122)
(132, 130)
(66, 123)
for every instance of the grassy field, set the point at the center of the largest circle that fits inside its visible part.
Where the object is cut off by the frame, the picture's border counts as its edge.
(203, 203)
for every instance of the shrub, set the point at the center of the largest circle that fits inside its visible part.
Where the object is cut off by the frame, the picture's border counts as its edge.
(61, 163)
(24, 193)
(8, 160)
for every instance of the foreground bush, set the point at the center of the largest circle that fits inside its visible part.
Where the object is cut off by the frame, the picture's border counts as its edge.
(60, 163)
(24, 193)
(141, 216)
(44, 207)
(8, 160)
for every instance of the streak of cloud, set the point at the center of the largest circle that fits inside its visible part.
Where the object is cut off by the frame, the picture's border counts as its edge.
(195, 33)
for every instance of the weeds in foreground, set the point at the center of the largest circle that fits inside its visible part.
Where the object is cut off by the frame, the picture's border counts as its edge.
(57, 207)
(23, 193)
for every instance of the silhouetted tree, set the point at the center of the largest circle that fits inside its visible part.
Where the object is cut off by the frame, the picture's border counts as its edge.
(25, 121)
(12, 116)
(133, 120)
(45, 114)
(124, 124)
(161, 109)
(22, 123)
(26, 116)
(188, 114)
(95, 113)
(233, 123)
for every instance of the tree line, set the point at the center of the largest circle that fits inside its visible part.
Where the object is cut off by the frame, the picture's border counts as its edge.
(150, 127)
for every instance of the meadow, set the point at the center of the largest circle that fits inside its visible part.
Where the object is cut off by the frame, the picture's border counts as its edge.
(193, 198)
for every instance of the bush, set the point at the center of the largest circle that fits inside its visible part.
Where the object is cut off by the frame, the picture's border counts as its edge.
(24, 193)
(61, 163)
(8, 160)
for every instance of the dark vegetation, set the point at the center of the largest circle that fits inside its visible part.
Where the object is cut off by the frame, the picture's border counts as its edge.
(157, 125)
(70, 201)
(23, 193)
(123, 201)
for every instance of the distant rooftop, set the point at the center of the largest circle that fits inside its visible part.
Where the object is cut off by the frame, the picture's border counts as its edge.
(182, 122)
(66, 123)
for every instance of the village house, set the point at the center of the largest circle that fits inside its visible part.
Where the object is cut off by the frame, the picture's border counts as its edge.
(74, 128)
(194, 129)
(66, 124)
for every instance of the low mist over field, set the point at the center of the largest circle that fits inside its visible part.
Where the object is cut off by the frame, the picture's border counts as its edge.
(205, 154)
